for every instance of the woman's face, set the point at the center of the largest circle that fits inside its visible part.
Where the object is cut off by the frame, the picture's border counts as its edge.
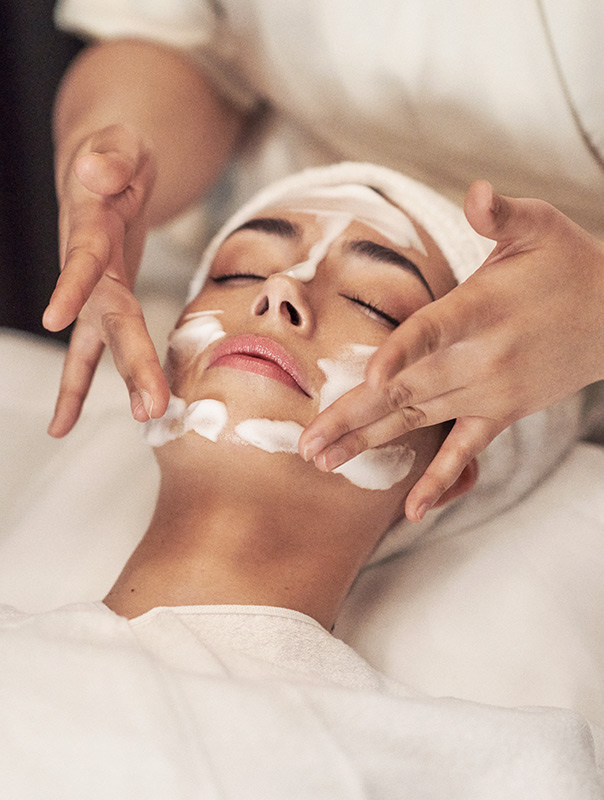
(294, 305)
(363, 287)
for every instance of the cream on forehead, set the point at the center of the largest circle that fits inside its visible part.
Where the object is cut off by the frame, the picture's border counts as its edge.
(333, 225)
(360, 203)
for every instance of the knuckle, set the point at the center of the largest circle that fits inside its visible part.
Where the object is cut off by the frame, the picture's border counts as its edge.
(548, 213)
(357, 442)
(412, 417)
(112, 323)
(398, 396)
(429, 330)
(95, 250)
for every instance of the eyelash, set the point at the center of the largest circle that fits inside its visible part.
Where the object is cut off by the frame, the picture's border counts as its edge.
(353, 298)
(234, 275)
(374, 309)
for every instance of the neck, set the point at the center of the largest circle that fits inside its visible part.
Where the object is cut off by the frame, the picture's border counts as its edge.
(206, 547)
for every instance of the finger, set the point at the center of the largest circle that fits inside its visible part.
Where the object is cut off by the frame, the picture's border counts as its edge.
(137, 362)
(355, 409)
(468, 437)
(82, 358)
(389, 427)
(433, 329)
(84, 267)
(382, 431)
(93, 244)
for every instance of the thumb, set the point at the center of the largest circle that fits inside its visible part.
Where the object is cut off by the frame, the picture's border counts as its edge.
(106, 173)
(507, 220)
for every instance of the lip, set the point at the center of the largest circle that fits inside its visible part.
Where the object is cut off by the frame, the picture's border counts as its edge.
(262, 356)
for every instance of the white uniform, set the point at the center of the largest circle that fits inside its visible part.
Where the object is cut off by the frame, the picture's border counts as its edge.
(444, 91)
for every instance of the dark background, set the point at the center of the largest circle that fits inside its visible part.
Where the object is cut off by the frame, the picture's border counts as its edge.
(33, 56)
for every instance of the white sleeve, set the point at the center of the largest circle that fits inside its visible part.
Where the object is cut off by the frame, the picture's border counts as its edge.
(191, 26)
(185, 24)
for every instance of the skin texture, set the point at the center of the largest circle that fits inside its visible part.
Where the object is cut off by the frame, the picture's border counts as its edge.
(234, 524)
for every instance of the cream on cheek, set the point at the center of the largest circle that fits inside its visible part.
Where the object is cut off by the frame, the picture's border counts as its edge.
(377, 469)
(206, 417)
(197, 331)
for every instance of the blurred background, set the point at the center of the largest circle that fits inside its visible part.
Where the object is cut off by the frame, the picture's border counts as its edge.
(33, 56)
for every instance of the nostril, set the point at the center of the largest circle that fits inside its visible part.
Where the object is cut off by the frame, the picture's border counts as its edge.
(262, 306)
(294, 316)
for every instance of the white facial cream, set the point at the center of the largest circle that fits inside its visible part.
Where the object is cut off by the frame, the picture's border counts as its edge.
(197, 331)
(157, 432)
(205, 417)
(344, 373)
(379, 468)
(273, 436)
(333, 225)
(362, 204)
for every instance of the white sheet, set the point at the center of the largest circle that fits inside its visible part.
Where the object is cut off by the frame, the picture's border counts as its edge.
(92, 708)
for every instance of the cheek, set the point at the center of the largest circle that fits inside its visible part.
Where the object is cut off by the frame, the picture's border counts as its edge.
(187, 343)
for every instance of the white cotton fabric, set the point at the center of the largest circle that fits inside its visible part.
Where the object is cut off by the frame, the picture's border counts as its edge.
(253, 702)
(444, 92)
(507, 612)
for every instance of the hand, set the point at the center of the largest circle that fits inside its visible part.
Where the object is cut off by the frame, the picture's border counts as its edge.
(103, 190)
(523, 332)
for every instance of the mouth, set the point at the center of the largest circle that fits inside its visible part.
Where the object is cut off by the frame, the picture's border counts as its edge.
(261, 356)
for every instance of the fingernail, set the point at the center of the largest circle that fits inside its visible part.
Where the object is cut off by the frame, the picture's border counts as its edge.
(313, 447)
(334, 457)
(147, 402)
(139, 412)
(421, 511)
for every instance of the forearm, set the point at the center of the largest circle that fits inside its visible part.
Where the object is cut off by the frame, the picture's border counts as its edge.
(162, 97)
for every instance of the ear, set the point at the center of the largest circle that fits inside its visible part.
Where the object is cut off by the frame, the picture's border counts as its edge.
(463, 484)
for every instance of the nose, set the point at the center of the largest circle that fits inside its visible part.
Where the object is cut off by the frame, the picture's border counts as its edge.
(282, 301)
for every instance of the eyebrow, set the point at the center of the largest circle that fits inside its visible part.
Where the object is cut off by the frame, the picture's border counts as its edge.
(272, 225)
(277, 226)
(385, 255)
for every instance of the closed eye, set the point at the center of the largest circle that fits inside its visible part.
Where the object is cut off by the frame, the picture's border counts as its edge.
(373, 310)
(238, 275)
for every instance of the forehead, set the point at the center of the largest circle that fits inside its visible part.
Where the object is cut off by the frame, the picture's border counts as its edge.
(360, 203)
